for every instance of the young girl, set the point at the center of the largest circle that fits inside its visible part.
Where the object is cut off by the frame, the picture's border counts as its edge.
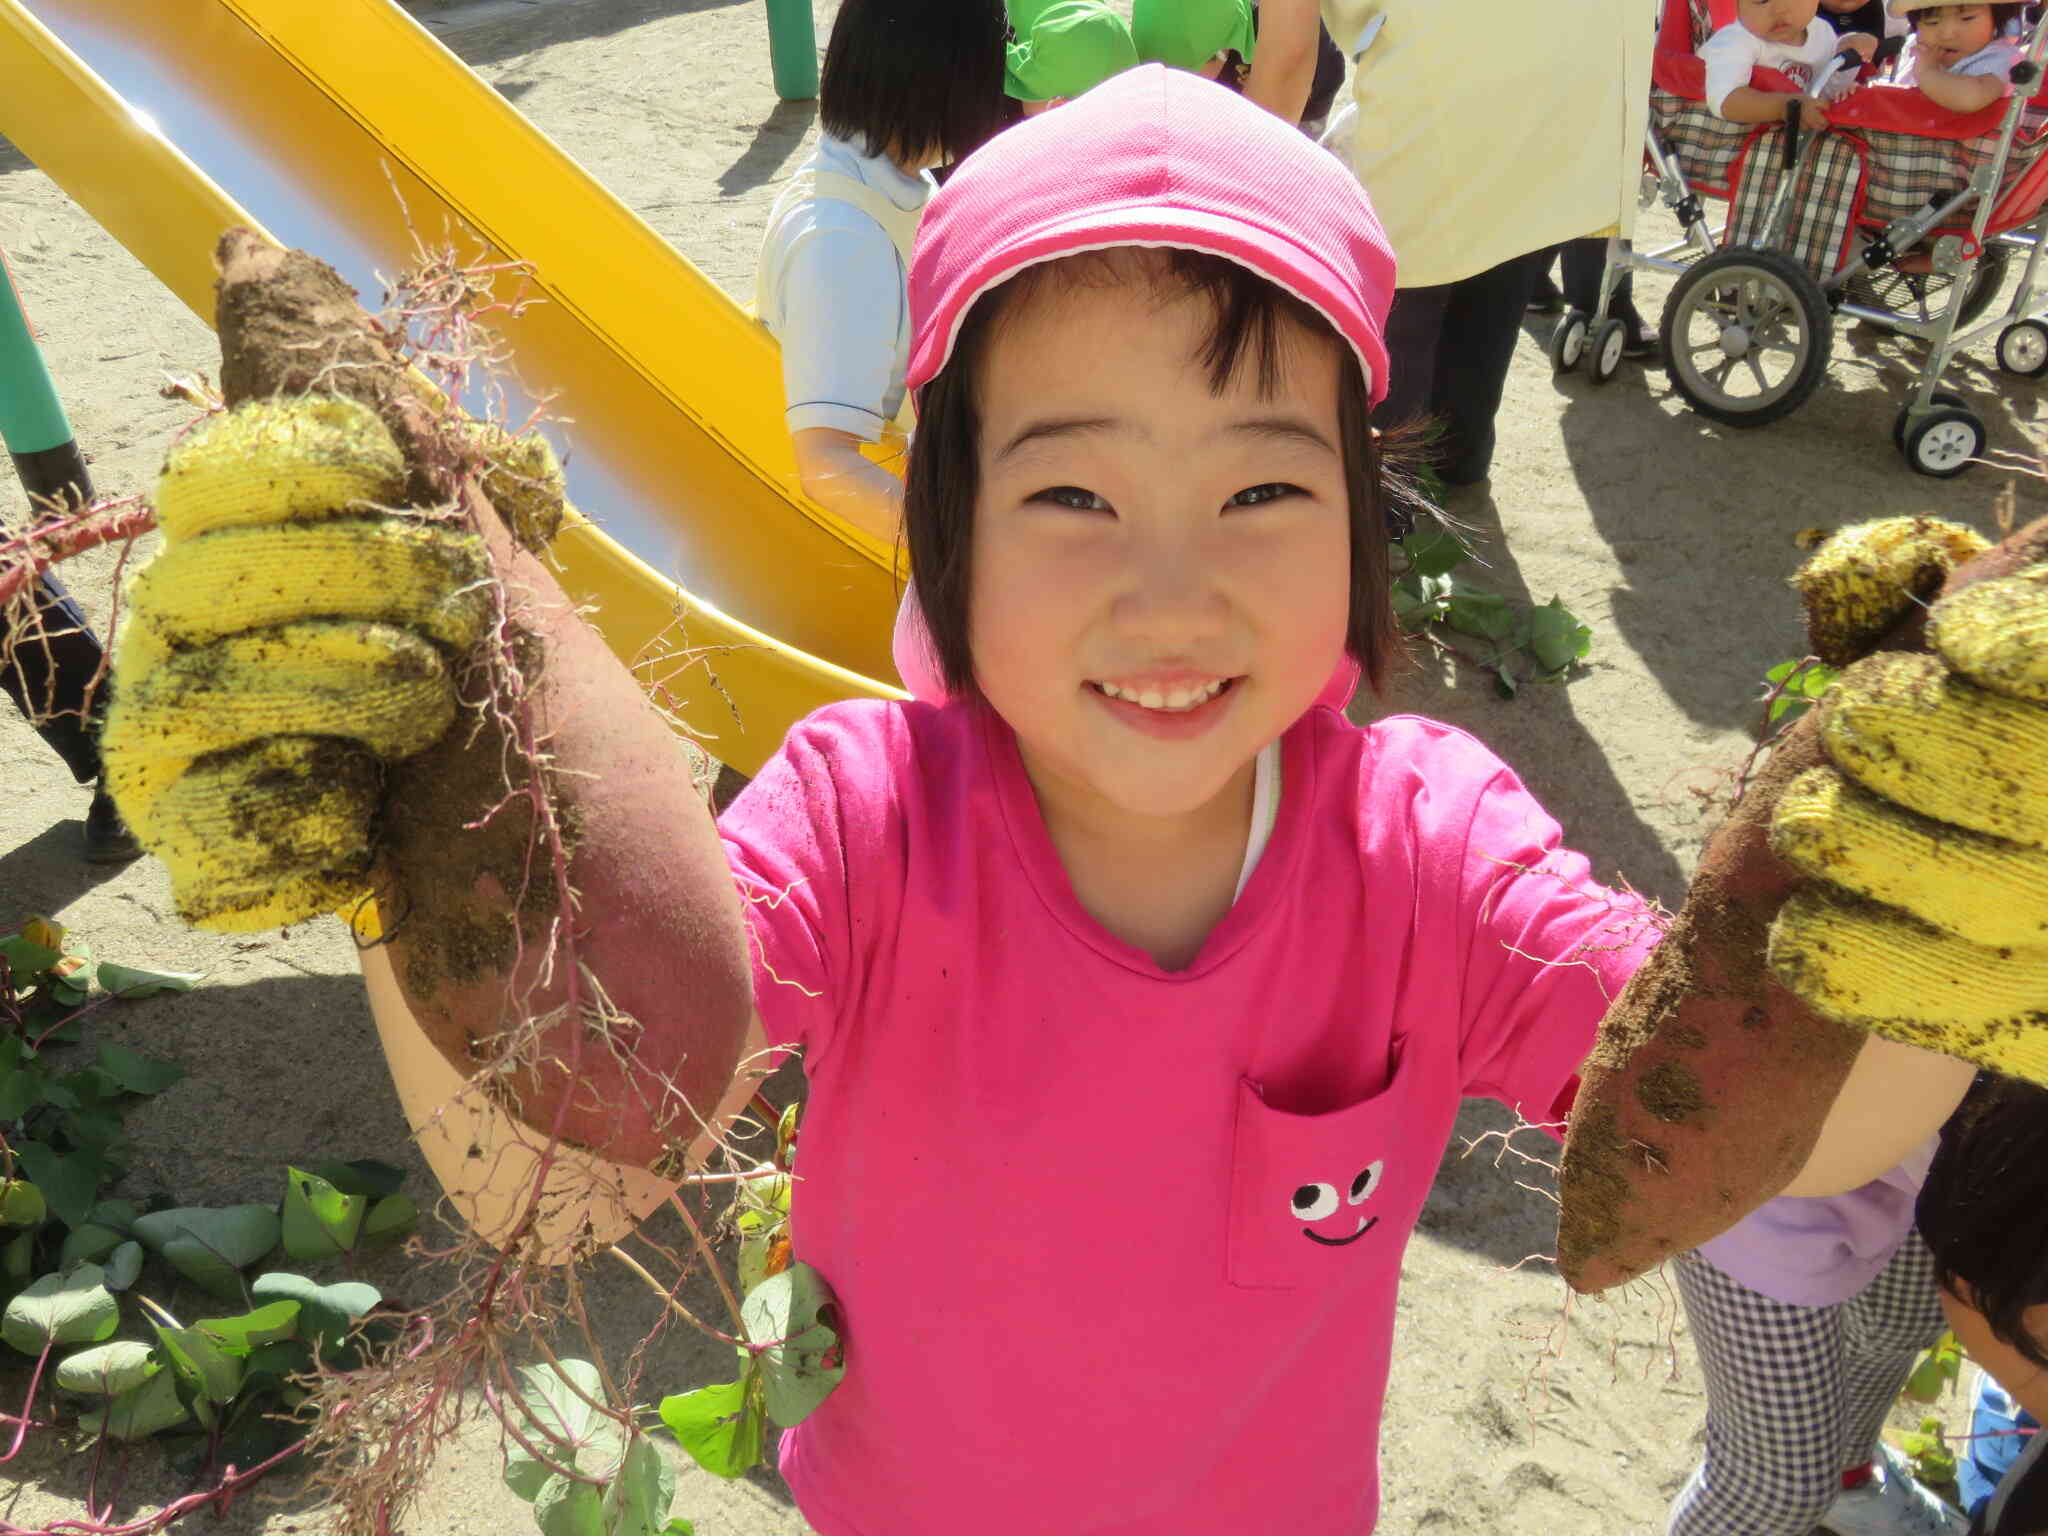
(1961, 55)
(907, 85)
(1138, 994)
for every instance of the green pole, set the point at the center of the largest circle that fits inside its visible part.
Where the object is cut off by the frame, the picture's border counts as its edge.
(793, 49)
(32, 420)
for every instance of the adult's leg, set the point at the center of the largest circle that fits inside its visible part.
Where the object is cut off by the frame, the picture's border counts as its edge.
(1415, 326)
(1582, 262)
(1773, 1372)
(47, 665)
(1482, 322)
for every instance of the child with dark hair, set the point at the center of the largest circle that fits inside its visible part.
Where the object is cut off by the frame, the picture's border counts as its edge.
(907, 85)
(1981, 1212)
(1961, 55)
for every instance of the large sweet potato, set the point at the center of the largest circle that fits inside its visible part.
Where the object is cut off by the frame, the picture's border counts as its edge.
(1710, 1082)
(467, 894)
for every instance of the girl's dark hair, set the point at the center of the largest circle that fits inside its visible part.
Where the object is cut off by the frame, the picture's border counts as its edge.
(1980, 1209)
(914, 78)
(943, 479)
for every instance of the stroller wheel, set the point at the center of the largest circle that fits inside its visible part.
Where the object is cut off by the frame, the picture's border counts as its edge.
(1746, 335)
(1944, 441)
(1568, 341)
(1608, 343)
(2023, 348)
(1905, 417)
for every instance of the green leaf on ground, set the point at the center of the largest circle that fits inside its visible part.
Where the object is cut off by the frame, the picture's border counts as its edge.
(129, 981)
(269, 1323)
(565, 1507)
(211, 1375)
(107, 1370)
(1557, 638)
(68, 1180)
(210, 1246)
(26, 958)
(320, 1222)
(61, 1309)
(566, 1429)
(327, 1313)
(136, 1073)
(720, 1426)
(390, 1219)
(361, 1176)
(124, 1265)
(1433, 550)
(636, 1503)
(139, 1412)
(1473, 610)
(17, 1256)
(21, 1204)
(89, 1244)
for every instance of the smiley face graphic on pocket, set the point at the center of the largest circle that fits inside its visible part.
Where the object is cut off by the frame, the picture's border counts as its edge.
(1317, 1205)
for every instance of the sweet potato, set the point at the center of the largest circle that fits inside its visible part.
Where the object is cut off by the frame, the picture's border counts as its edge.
(466, 893)
(1709, 1084)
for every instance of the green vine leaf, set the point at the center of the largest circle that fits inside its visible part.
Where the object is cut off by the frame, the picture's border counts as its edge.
(124, 1266)
(320, 1222)
(129, 981)
(267, 1324)
(68, 1180)
(21, 1204)
(107, 1370)
(567, 1429)
(792, 1316)
(74, 1308)
(210, 1247)
(1557, 638)
(720, 1426)
(327, 1313)
(636, 1503)
(210, 1375)
(139, 1412)
(133, 1072)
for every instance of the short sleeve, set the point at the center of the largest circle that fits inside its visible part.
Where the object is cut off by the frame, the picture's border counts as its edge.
(786, 840)
(1548, 949)
(841, 333)
(1729, 59)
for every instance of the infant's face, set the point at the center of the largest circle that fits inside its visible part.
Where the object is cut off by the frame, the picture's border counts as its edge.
(1953, 32)
(1778, 21)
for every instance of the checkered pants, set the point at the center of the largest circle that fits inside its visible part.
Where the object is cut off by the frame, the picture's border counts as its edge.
(1795, 1395)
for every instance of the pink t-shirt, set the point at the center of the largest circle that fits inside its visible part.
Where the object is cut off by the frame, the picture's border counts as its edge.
(1117, 1248)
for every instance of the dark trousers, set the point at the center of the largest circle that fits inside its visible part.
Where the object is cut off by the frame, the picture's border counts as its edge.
(1448, 349)
(47, 665)
(1580, 264)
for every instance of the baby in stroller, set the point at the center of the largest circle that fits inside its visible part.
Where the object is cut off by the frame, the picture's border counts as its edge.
(1788, 36)
(1961, 56)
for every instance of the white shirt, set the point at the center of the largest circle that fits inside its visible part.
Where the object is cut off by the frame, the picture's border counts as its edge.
(832, 286)
(1995, 58)
(1731, 53)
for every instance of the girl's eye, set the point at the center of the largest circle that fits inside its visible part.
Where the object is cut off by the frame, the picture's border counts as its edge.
(1259, 495)
(1072, 497)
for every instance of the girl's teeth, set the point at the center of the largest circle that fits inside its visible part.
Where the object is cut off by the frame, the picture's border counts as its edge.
(1167, 699)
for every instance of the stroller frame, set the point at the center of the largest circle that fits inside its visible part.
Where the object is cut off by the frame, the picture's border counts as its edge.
(1762, 295)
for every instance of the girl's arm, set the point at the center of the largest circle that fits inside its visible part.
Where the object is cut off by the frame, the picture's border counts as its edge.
(1958, 93)
(1284, 65)
(836, 475)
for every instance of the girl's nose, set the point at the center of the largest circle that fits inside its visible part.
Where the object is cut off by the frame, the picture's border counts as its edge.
(1171, 596)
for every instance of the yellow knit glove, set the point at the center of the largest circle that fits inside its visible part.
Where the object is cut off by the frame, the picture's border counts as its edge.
(294, 635)
(1929, 834)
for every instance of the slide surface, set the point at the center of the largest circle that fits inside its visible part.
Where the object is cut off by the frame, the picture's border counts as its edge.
(345, 128)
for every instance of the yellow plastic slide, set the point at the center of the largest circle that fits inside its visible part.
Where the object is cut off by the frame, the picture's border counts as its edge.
(343, 127)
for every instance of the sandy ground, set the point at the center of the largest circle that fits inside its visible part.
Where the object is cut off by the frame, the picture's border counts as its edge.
(1672, 536)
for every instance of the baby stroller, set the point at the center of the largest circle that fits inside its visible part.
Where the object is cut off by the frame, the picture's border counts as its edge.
(1902, 215)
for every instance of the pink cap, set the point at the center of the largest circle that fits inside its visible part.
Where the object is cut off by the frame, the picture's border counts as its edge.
(1154, 157)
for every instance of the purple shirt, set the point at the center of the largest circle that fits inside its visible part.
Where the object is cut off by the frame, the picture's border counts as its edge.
(1820, 1250)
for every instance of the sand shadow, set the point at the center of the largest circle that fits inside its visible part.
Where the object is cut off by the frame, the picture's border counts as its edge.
(48, 872)
(774, 141)
(1538, 733)
(1696, 512)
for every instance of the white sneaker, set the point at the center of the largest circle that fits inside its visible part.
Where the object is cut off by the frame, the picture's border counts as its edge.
(1893, 1503)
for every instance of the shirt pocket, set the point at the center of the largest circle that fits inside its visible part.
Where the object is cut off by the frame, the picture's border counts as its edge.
(1326, 1200)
